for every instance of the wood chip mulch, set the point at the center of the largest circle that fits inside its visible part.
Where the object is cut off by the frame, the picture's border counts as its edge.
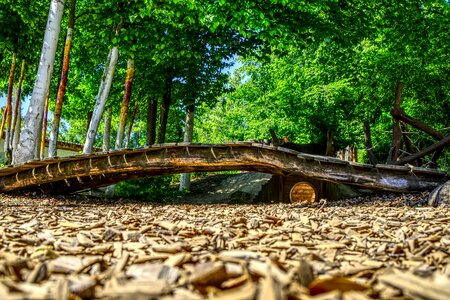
(383, 247)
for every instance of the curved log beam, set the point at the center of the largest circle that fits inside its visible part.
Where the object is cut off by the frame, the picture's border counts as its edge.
(76, 173)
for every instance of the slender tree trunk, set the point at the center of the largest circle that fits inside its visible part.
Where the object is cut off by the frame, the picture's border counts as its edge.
(17, 123)
(330, 143)
(63, 83)
(102, 97)
(151, 122)
(16, 109)
(125, 103)
(164, 110)
(44, 128)
(9, 110)
(396, 131)
(107, 130)
(185, 179)
(369, 146)
(2, 126)
(26, 148)
(130, 128)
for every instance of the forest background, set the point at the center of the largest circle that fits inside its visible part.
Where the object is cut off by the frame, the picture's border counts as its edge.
(301, 68)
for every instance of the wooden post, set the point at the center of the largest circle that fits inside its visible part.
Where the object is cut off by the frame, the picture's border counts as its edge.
(396, 132)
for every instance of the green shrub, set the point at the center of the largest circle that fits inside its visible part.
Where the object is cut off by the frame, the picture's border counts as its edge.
(153, 189)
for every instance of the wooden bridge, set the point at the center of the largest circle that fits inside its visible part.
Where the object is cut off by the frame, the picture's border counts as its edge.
(83, 172)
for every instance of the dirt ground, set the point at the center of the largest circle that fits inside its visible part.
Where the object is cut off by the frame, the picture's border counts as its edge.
(381, 247)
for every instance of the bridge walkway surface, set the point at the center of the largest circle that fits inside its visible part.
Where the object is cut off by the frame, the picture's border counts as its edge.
(62, 175)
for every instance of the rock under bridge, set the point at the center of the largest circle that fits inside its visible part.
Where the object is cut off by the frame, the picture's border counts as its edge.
(82, 172)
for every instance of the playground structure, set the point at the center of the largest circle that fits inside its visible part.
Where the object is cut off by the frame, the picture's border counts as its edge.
(83, 172)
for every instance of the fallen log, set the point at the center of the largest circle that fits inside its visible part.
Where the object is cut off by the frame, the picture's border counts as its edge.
(72, 174)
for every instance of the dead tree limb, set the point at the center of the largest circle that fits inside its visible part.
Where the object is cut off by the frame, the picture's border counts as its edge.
(437, 146)
(400, 115)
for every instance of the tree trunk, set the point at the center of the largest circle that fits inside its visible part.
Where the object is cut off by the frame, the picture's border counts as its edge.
(44, 128)
(17, 124)
(185, 179)
(130, 128)
(26, 149)
(16, 109)
(330, 143)
(164, 110)
(151, 122)
(369, 146)
(8, 110)
(125, 103)
(107, 130)
(396, 132)
(102, 97)
(62, 84)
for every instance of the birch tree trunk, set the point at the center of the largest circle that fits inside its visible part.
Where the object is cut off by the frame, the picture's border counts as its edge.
(107, 130)
(8, 109)
(125, 103)
(26, 149)
(185, 179)
(44, 128)
(102, 97)
(62, 84)
(151, 122)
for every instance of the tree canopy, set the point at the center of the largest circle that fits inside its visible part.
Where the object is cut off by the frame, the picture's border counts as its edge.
(304, 68)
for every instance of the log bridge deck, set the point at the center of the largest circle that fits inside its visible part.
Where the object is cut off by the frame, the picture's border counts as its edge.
(82, 172)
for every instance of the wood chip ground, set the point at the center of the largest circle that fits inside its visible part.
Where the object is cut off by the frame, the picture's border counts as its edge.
(382, 247)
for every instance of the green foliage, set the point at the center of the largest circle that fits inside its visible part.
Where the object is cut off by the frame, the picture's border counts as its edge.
(152, 189)
(307, 67)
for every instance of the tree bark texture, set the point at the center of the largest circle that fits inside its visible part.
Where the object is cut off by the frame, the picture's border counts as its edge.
(8, 109)
(369, 146)
(396, 132)
(102, 97)
(26, 149)
(16, 115)
(330, 144)
(107, 130)
(63, 83)
(152, 111)
(44, 128)
(125, 103)
(164, 110)
(130, 127)
(185, 179)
